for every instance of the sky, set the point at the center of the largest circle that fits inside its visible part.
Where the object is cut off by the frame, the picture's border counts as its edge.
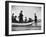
(28, 11)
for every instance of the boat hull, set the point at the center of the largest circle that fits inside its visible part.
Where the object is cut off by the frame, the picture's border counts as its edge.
(22, 23)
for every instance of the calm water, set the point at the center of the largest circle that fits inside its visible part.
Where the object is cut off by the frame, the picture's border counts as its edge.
(33, 27)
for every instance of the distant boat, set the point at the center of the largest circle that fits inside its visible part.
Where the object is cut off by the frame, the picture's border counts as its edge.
(22, 23)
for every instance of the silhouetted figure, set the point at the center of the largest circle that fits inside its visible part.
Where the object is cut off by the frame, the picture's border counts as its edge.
(16, 20)
(30, 20)
(13, 19)
(21, 17)
(25, 19)
(35, 19)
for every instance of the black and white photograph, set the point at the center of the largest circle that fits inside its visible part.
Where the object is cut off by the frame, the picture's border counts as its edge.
(25, 18)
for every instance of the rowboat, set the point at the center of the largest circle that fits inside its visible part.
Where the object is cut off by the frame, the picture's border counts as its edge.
(22, 23)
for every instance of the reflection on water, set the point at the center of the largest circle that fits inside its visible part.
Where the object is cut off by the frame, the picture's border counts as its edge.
(33, 26)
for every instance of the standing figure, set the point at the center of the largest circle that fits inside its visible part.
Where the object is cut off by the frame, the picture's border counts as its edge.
(21, 17)
(13, 18)
(35, 19)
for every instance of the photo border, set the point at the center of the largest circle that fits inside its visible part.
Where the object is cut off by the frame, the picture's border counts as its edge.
(7, 17)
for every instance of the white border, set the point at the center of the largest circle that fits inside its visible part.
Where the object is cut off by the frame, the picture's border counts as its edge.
(29, 31)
